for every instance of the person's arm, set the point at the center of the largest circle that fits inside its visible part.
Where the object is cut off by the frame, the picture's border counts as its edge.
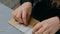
(23, 1)
(59, 20)
(33, 2)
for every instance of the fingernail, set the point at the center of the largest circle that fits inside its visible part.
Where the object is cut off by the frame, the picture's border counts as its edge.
(26, 24)
(16, 20)
(21, 22)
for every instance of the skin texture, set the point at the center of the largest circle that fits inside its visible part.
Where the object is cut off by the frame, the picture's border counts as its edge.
(59, 23)
(48, 26)
(22, 13)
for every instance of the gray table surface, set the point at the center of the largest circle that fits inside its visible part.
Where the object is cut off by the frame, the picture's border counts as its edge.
(5, 15)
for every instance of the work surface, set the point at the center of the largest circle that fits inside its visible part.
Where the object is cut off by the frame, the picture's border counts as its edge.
(5, 15)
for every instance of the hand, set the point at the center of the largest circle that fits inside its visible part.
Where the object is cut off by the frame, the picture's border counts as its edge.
(22, 13)
(48, 26)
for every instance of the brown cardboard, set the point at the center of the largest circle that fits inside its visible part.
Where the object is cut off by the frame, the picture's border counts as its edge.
(32, 22)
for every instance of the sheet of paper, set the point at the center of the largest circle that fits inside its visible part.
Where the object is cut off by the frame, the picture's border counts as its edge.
(22, 27)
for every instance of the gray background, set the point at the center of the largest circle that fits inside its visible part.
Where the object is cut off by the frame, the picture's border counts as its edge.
(5, 15)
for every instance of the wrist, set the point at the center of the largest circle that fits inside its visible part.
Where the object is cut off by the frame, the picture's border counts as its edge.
(27, 3)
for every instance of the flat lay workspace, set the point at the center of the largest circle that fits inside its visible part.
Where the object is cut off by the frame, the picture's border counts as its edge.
(23, 28)
(9, 26)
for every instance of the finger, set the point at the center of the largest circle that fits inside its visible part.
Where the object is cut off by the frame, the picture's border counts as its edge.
(14, 14)
(37, 27)
(20, 20)
(29, 13)
(28, 17)
(56, 28)
(42, 29)
(18, 17)
(24, 17)
(48, 30)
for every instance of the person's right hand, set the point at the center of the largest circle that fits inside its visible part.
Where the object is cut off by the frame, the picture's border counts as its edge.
(22, 13)
(48, 26)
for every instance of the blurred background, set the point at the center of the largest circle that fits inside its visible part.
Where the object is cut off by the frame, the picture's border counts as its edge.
(11, 3)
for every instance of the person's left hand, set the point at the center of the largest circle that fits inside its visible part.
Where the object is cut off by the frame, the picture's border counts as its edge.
(48, 26)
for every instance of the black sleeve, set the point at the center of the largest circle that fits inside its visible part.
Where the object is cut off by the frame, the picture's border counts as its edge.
(57, 13)
(32, 1)
(22, 1)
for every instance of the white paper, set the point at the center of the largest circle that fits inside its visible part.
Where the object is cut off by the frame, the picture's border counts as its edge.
(24, 29)
(29, 32)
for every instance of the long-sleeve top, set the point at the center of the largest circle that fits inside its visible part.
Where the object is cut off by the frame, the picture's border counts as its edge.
(44, 8)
